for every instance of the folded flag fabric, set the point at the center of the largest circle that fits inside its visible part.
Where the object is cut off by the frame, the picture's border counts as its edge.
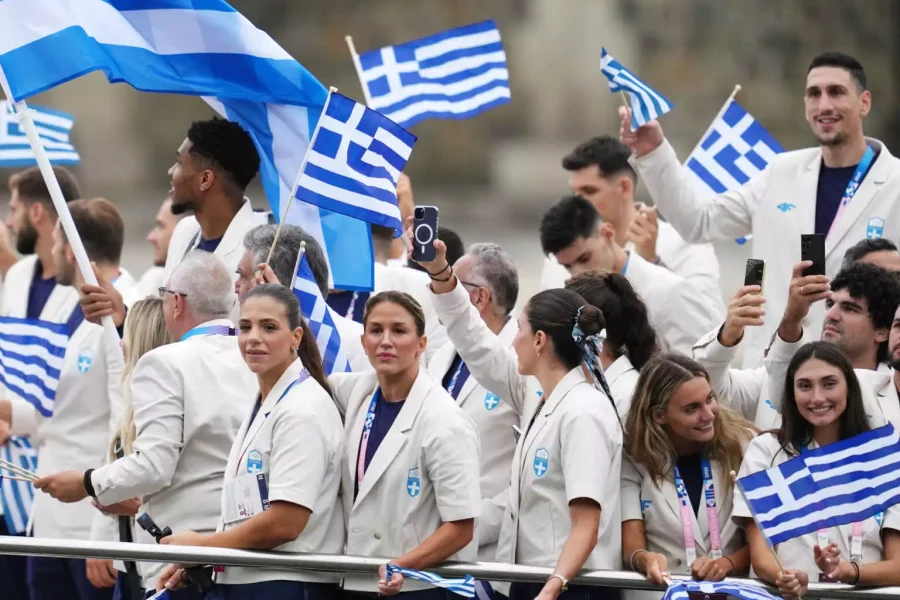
(844, 482)
(319, 317)
(646, 103)
(680, 589)
(32, 353)
(17, 496)
(354, 163)
(454, 74)
(463, 587)
(53, 128)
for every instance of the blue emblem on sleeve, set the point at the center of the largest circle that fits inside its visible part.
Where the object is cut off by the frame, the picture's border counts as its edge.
(254, 462)
(645, 505)
(541, 462)
(413, 483)
(491, 401)
(786, 206)
(85, 360)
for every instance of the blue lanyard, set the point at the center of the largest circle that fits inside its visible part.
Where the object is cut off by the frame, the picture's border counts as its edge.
(709, 494)
(452, 385)
(304, 375)
(208, 330)
(853, 185)
(364, 443)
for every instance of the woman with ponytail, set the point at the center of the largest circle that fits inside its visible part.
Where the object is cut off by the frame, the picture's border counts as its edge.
(563, 506)
(290, 445)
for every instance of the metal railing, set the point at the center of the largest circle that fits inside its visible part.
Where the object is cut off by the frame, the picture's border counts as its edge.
(358, 564)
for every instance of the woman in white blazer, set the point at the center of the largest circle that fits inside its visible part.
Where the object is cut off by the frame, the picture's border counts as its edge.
(410, 484)
(680, 447)
(823, 404)
(286, 459)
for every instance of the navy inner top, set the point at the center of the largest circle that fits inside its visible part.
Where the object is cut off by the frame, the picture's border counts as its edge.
(691, 470)
(39, 293)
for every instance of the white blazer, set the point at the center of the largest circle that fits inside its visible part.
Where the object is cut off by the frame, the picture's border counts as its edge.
(189, 401)
(495, 420)
(622, 379)
(573, 450)
(86, 412)
(17, 286)
(697, 263)
(764, 453)
(299, 439)
(150, 282)
(776, 207)
(424, 473)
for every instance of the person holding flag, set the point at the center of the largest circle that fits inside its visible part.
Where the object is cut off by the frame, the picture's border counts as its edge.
(823, 405)
(680, 447)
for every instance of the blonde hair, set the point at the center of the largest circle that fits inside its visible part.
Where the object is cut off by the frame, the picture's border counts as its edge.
(648, 444)
(145, 329)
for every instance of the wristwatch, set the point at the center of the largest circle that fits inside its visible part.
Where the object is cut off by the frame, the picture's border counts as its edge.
(565, 582)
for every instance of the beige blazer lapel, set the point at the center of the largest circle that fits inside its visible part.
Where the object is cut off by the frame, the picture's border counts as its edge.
(858, 207)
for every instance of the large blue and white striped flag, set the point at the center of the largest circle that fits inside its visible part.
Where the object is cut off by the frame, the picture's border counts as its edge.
(646, 103)
(682, 588)
(455, 74)
(53, 128)
(200, 48)
(840, 483)
(735, 149)
(17, 496)
(32, 353)
(319, 317)
(356, 158)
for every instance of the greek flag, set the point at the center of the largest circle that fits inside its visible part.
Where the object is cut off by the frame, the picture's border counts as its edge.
(840, 483)
(319, 317)
(463, 587)
(680, 589)
(200, 48)
(53, 128)
(32, 353)
(646, 103)
(735, 149)
(451, 75)
(354, 163)
(17, 495)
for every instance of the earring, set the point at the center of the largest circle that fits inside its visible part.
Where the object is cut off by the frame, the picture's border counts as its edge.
(539, 352)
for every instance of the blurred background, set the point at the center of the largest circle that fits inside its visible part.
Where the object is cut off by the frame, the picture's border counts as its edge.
(492, 176)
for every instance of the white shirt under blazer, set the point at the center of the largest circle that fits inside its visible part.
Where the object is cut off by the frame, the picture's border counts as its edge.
(776, 206)
(495, 420)
(763, 453)
(299, 438)
(423, 474)
(189, 399)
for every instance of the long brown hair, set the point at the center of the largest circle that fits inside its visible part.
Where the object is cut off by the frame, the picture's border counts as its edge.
(648, 444)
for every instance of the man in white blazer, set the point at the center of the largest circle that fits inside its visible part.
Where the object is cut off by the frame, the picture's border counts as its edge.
(87, 406)
(189, 400)
(283, 263)
(572, 230)
(800, 192)
(492, 281)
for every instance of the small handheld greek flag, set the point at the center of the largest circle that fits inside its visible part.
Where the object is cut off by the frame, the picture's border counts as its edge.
(354, 163)
(32, 353)
(53, 128)
(318, 316)
(679, 590)
(17, 496)
(844, 482)
(463, 587)
(646, 103)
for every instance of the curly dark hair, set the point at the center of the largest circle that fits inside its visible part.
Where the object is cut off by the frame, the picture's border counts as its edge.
(227, 146)
(881, 290)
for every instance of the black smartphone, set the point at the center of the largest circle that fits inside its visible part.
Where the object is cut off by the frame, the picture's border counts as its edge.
(425, 225)
(756, 272)
(812, 247)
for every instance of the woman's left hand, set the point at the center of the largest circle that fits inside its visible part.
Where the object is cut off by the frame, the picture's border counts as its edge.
(172, 578)
(389, 588)
(708, 569)
(792, 583)
(828, 560)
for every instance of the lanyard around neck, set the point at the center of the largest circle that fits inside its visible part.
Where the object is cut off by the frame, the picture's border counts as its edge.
(687, 514)
(853, 185)
(208, 330)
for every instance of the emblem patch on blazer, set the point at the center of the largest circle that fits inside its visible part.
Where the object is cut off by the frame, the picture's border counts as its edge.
(413, 483)
(254, 462)
(645, 505)
(491, 401)
(879, 518)
(85, 360)
(786, 206)
(875, 228)
(541, 461)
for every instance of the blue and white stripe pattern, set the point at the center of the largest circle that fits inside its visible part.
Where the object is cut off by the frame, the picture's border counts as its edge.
(680, 590)
(195, 47)
(463, 587)
(455, 74)
(844, 482)
(354, 164)
(319, 317)
(735, 149)
(53, 128)
(17, 496)
(646, 103)
(32, 354)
